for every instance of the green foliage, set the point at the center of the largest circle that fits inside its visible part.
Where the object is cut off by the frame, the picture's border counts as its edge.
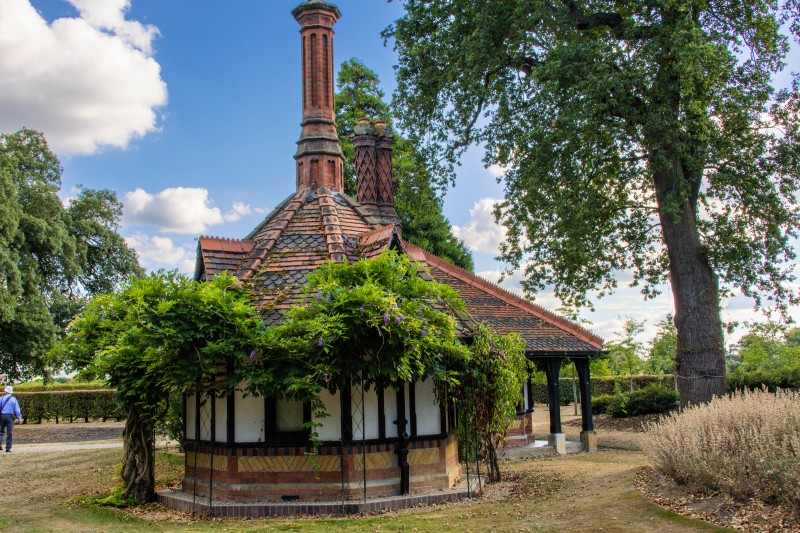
(639, 136)
(69, 405)
(601, 402)
(116, 499)
(539, 389)
(401, 325)
(156, 339)
(39, 386)
(417, 204)
(51, 256)
(173, 423)
(663, 348)
(652, 399)
(616, 384)
(162, 335)
(488, 392)
(786, 377)
(765, 357)
(765, 347)
(626, 353)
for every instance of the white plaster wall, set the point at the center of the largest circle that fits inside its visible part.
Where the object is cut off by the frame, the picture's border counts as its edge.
(331, 428)
(189, 417)
(289, 415)
(390, 408)
(371, 429)
(221, 420)
(429, 417)
(249, 423)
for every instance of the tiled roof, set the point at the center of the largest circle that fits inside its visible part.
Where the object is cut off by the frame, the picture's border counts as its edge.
(314, 226)
(506, 312)
(219, 255)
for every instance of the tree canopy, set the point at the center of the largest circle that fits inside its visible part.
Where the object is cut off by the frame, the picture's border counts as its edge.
(157, 337)
(52, 256)
(416, 200)
(635, 135)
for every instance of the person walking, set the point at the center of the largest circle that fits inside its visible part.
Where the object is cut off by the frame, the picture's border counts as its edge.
(9, 408)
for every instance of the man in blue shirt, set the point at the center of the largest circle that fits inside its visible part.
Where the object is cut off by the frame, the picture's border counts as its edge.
(9, 408)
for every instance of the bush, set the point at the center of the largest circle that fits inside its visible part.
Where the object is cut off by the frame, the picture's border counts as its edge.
(773, 379)
(604, 385)
(600, 403)
(652, 399)
(746, 445)
(615, 384)
(69, 405)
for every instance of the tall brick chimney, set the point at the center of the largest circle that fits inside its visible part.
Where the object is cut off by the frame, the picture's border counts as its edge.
(320, 162)
(373, 158)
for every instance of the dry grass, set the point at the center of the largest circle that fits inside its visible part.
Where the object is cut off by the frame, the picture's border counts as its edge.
(746, 445)
(581, 493)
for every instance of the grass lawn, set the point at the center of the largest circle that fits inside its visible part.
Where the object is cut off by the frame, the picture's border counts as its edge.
(583, 492)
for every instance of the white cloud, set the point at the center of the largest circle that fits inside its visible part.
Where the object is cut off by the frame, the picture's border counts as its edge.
(86, 82)
(184, 210)
(497, 171)
(482, 234)
(238, 210)
(161, 252)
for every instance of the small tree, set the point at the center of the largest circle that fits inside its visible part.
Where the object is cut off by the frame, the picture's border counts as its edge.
(626, 352)
(663, 347)
(157, 337)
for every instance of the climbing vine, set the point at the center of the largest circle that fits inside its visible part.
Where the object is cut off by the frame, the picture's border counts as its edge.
(488, 392)
(383, 320)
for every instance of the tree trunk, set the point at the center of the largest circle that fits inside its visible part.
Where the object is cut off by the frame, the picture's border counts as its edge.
(492, 461)
(700, 360)
(138, 459)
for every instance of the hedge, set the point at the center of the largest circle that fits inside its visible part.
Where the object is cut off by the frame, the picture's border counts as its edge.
(780, 378)
(600, 386)
(69, 405)
(73, 386)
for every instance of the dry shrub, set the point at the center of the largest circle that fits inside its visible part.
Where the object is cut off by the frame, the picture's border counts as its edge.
(746, 445)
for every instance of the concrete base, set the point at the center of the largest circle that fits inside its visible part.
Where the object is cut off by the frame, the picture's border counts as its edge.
(559, 442)
(589, 440)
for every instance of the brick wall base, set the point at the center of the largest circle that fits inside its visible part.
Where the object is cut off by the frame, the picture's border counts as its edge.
(271, 474)
(521, 431)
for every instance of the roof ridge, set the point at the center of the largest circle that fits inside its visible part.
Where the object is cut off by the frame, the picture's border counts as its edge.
(247, 267)
(216, 238)
(362, 211)
(331, 226)
(509, 297)
(272, 214)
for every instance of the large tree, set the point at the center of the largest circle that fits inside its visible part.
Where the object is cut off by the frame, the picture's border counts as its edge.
(418, 205)
(644, 136)
(52, 256)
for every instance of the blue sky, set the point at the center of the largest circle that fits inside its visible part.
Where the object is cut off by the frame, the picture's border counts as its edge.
(190, 112)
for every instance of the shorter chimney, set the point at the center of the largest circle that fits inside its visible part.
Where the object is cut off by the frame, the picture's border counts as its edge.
(373, 158)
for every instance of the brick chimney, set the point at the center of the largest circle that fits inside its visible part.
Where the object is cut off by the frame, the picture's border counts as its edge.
(373, 158)
(320, 162)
